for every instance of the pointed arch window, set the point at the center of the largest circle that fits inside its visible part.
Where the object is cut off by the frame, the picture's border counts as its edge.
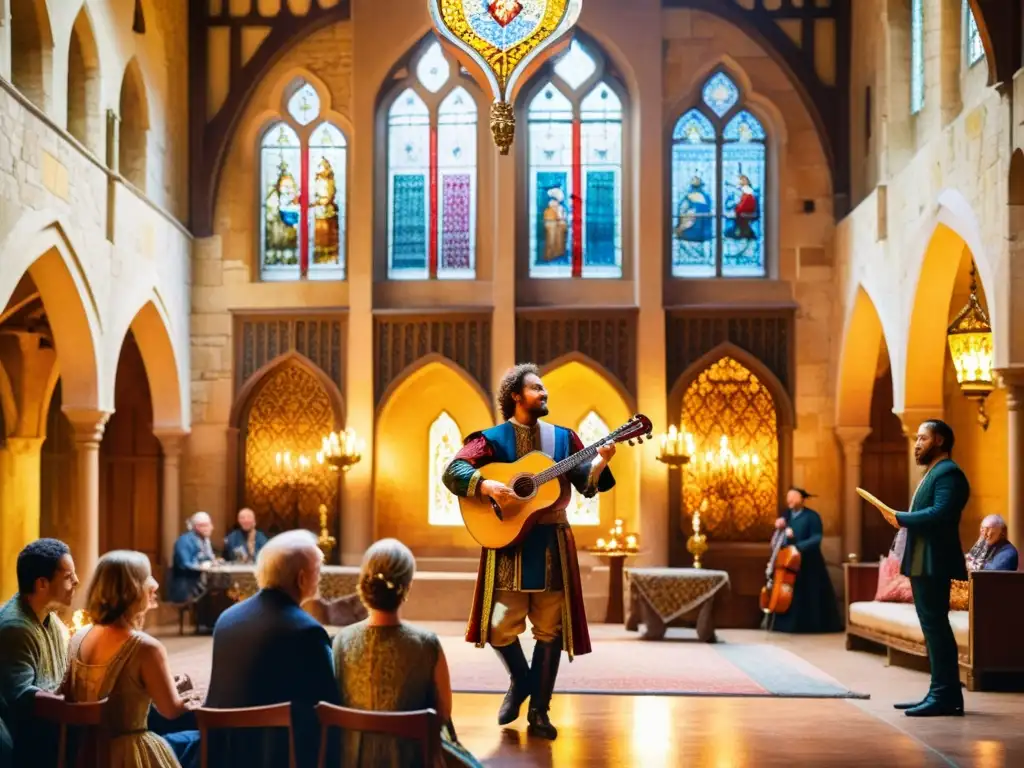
(303, 168)
(444, 441)
(574, 166)
(972, 37)
(432, 172)
(718, 182)
(583, 511)
(916, 56)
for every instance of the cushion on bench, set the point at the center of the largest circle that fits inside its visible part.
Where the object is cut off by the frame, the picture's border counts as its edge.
(900, 620)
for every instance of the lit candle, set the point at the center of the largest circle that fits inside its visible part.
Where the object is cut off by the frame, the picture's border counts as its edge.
(600, 544)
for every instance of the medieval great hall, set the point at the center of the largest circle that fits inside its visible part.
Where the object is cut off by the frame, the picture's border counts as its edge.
(231, 228)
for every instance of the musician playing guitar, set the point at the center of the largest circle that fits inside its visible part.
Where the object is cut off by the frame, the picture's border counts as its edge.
(539, 577)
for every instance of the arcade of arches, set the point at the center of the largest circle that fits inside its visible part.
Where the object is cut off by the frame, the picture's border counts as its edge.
(196, 286)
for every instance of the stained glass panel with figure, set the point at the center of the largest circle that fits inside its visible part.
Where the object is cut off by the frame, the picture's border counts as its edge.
(327, 164)
(743, 183)
(728, 400)
(581, 510)
(280, 164)
(601, 159)
(456, 169)
(408, 187)
(694, 187)
(550, 139)
(444, 441)
(304, 104)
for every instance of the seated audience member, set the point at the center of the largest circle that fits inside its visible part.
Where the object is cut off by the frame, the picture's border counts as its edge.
(114, 659)
(268, 650)
(993, 550)
(34, 643)
(385, 665)
(244, 543)
(192, 553)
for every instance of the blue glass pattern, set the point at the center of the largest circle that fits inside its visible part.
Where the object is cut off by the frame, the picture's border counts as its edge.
(408, 175)
(720, 93)
(972, 38)
(744, 127)
(600, 220)
(743, 184)
(916, 56)
(408, 214)
(601, 156)
(552, 233)
(550, 172)
(694, 197)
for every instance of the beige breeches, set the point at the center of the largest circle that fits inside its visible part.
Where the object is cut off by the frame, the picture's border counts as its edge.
(511, 610)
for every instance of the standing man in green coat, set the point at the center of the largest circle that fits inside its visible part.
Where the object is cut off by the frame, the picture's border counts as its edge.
(932, 558)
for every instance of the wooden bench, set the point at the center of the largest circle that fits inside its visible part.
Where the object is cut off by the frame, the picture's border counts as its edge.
(990, 634)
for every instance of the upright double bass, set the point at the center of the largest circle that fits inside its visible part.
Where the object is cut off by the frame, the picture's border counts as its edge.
(780, 575)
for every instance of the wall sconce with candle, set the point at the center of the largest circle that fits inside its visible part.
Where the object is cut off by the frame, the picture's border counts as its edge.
(970, 346)
(341, 450)
(676, 448)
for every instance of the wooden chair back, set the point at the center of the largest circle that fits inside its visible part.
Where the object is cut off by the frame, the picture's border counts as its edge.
(65, 714)
(271, 716)
(423, 725)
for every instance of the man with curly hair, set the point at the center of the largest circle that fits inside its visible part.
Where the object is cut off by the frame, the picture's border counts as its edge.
(538, 578)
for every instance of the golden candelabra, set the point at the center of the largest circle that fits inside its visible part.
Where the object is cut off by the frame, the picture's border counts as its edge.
(676, 448)
(618, 543)
(341, 450)
(714, 471)
(697, 544)
(326, 542)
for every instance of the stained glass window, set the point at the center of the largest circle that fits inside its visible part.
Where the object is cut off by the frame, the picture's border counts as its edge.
(574, 166)
(444, 442)
(718, 182)
(972, 37)
(583, 511)
(432, 181)
(303, 176)
(916, 56)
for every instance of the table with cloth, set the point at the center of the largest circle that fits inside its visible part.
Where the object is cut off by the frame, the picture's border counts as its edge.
(238, 581)
(660, 596)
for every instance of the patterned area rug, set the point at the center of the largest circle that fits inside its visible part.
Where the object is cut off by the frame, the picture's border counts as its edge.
(621, 664)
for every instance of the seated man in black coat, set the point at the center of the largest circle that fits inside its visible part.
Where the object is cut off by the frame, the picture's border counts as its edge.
(268, 650)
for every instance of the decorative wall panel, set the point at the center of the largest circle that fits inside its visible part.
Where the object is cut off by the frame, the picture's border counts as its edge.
(608, 337)
(259, 339)
(400, 339)
(766, 334)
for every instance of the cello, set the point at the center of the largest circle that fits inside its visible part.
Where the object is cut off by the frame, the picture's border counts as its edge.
(780, 575)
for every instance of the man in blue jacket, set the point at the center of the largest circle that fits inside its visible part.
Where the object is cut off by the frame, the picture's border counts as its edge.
(933, 557)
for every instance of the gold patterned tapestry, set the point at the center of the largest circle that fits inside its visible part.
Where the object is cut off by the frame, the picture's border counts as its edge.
(671, 592)
(291, 412)
(728, 400)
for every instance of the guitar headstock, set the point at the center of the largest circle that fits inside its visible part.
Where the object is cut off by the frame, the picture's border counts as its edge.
(638, 428)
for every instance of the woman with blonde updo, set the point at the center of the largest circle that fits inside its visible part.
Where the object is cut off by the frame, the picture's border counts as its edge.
(384, 665)
(113, 659)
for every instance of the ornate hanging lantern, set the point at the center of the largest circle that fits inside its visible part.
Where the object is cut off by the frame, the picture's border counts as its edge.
(504, 37)
(970, 345)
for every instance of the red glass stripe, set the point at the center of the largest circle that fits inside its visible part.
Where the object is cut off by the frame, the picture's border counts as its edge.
(433, 201)
(577, 198)
(304, 212)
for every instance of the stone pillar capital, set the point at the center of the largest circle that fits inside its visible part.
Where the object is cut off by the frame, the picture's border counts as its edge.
(1012, 380)
(911, 417)
(852, 439)
(88, 424)
(171, 440)
(24, 446)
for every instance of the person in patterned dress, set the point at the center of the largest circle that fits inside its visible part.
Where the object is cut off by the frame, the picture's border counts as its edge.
(538, 578)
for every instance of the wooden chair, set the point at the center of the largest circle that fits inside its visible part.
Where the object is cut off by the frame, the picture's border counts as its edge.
(423, 725)
(186, 607)
(272, 716)
(64, 714)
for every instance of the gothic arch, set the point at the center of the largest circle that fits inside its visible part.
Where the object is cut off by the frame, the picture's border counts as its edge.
(416, 368)
(84, 84)
(150, 327)
(596, 367)
(133, 110)
(863, 336)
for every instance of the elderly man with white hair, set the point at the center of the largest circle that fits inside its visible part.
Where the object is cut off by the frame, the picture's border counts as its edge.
(268, 650)
(193, 553)
(993, 550)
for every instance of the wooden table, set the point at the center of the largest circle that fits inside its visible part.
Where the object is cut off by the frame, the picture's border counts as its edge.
(239, 581)
(616, 560)
(659, 596)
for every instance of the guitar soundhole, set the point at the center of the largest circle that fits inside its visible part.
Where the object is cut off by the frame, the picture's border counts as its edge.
(524, 487)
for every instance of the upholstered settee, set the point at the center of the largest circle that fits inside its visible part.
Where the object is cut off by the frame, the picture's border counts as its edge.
(989, 632)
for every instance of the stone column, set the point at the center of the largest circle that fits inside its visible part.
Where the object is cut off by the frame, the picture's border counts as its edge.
(88, 426)
(852, 439)
(5, 45)
(170, 509)
(503, 319)
(19, 503)
(1013, 380)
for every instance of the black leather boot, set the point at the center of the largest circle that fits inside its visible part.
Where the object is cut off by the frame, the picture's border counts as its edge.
(543, 672)
(514, 659)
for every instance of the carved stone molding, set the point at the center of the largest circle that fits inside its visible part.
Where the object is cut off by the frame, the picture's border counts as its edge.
(400, 339)
(261, 338)
(88, 425)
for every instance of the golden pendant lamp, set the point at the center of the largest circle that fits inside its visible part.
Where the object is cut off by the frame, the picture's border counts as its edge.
(970, 345)
(504, 37)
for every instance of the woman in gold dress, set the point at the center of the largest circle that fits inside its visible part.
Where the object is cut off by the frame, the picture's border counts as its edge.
(113, 659)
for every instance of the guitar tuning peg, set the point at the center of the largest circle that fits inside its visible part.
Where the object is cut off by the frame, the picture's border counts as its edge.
(650, 435)
(629, 442)
(640, 440)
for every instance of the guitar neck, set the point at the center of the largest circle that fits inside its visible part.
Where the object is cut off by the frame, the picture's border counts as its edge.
(569, 463)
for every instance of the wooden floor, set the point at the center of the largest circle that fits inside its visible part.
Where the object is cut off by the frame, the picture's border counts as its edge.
(702, 732)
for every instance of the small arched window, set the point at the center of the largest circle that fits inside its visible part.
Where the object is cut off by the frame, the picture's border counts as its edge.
(583, 511)
(303, 163)
(431, 181)
(718, 183)
(444, 441)
(574, 167)
(973, 47)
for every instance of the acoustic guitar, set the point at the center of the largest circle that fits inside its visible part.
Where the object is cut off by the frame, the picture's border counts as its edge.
(534, 479)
